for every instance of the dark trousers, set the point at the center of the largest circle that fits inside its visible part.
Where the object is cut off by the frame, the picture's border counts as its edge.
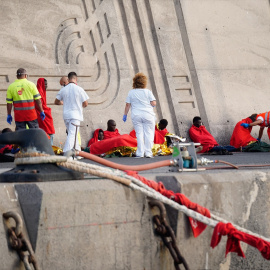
(31, 124)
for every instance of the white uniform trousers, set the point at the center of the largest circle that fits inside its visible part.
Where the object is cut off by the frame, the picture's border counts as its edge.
(71, 129)
(144, 125)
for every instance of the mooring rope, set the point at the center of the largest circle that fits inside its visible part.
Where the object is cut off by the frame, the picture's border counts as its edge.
(138, 185)
(130, 181)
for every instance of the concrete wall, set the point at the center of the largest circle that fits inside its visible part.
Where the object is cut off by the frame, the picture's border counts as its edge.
(207, 58)
(99, 224)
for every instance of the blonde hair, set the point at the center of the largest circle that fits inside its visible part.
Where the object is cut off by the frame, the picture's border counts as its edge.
(139, 80)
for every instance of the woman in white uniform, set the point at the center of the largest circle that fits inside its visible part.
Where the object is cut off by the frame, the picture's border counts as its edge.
(142, 101)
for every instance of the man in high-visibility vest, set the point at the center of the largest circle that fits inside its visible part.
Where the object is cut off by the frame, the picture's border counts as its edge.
(23, 94)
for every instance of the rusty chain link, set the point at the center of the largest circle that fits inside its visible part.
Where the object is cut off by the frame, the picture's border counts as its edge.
(19, 243)
(164, 230)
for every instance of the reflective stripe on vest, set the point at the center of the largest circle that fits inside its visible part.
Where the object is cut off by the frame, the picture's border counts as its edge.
(265, 119)
(24, 110)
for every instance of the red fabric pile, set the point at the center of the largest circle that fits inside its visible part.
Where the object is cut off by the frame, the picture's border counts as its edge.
(104, 146)
(202, 136)
(6, 148)
(110, 134)
(197, 227)
(234, 238)
(241, 135)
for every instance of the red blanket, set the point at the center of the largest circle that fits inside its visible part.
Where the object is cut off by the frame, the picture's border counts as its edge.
(241, 135)
(47, 124)
(111, 134)
(197, 227)
(202, 136)
(234, 238)
(104, 146)
(95, 137)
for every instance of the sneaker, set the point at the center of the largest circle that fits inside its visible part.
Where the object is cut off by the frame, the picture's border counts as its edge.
(149, 156)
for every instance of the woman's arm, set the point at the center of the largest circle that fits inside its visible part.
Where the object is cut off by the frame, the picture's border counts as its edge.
(127, 108)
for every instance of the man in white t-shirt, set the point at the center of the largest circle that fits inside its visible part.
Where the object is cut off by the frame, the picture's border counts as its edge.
(74, 99)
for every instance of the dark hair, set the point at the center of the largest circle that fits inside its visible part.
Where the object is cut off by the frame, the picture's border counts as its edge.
(253, 117)
(72, 75)
(163, 122)
(20, 72)
(5, 130)
(196, 118)
(139, 80)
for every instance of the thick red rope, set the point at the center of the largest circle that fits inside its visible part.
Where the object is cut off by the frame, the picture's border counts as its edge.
(234, 236)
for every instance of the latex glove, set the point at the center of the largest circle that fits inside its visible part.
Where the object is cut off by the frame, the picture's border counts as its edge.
(42, 116)
(258, 139)
(14, 151)
(9, 119)
(245, 125)
(124, 117)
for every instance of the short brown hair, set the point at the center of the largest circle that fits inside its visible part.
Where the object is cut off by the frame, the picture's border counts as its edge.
(139, 80)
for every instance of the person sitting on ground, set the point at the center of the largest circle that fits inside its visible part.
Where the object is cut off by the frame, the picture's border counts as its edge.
(111, 131)
(7, 151)
(47, 124)
(241, 136)
(97, 136)
(262, 120)
(199, 134)
(243, 130)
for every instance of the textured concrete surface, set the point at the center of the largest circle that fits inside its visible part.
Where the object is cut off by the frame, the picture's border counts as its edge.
(82, 222)
(202, 57)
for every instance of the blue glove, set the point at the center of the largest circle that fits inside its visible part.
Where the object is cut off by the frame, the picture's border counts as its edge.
(9, 119)
(14, 151)
(258, 139)
(245, 125)
(42, 116)
(124, 117)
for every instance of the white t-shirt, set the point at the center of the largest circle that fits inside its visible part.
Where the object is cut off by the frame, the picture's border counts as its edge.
(73, 96)
(140, 101)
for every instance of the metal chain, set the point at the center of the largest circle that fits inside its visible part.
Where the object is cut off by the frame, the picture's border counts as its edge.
(164, 230)
(19, 243)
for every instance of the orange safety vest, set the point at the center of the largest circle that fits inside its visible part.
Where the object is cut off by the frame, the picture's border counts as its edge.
(265, 117)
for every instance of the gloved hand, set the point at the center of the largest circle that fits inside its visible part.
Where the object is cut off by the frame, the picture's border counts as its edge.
(14, 151)
(124, 117)
(245, 125)
(9, 119)
(42, 116)
(258, 139)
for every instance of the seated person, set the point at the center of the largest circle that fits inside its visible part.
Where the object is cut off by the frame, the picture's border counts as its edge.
(262, 120)
(199, 134)
(111, 131)
(7, 151)
(241, 136)
(97, 136)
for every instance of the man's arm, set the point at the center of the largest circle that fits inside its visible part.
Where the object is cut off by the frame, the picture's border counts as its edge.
(85, 103)
(58, 102)
(260, 132)
(9, 108)
(255, 123)
(39, 104)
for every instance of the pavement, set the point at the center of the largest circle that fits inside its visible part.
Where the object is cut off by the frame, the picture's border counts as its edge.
(245, 161)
